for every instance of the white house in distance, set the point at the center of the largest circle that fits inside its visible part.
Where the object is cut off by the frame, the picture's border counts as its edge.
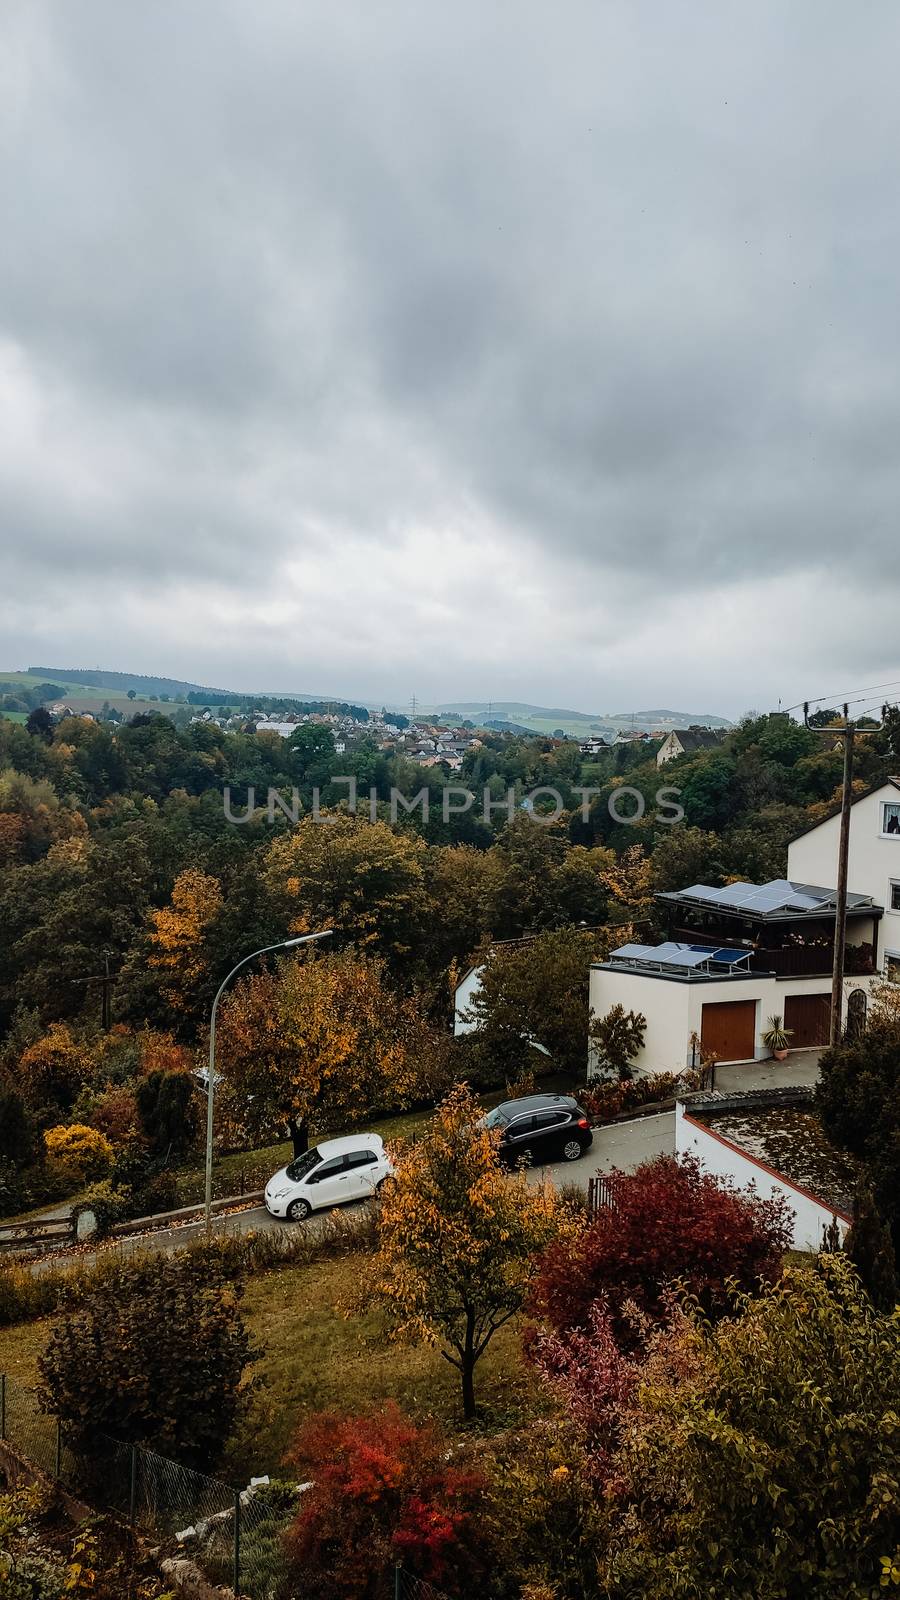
(737, 956)
(874, 860)
(685, 741)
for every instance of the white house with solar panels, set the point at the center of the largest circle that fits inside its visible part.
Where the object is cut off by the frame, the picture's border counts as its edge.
(735, 957)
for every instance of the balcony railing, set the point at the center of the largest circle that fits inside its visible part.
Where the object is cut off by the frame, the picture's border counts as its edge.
(812, 960)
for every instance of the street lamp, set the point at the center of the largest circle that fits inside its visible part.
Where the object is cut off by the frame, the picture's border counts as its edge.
(284, 944)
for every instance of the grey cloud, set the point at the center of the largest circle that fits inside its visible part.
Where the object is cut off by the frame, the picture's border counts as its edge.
(618, 279)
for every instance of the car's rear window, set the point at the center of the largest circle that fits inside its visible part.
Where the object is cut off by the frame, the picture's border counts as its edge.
(303, 1165)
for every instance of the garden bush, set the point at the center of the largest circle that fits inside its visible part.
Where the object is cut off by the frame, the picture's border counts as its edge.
(671, 1223)
(77, 1153)
(151, 1352)
(385, 1492)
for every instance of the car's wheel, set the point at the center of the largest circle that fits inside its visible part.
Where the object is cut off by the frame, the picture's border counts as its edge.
(299, 1210)
(572, 1150)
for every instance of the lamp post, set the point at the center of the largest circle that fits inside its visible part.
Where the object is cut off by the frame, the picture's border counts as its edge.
(284, 944)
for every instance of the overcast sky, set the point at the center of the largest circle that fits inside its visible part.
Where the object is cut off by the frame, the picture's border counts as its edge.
(513, 350)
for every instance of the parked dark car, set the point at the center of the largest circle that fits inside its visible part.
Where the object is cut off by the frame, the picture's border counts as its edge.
(541, 1127)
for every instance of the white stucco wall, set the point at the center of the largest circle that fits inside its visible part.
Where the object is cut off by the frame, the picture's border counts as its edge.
(873, 862)
(674, 1008)
(724, 1160)
(463, 999)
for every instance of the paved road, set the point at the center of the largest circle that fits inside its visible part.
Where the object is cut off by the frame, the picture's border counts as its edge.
(624, 1145)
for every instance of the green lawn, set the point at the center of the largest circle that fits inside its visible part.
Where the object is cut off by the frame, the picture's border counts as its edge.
(316, 1354)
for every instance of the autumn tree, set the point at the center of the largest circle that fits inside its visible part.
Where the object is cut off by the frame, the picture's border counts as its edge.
(457, 1239)
(364, 879)
(317, 1036)
(629, 879)
(762, 1457)
(179, 930)
(51, 1071)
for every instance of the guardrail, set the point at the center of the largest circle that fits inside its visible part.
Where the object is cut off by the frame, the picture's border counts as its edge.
(60, 1232)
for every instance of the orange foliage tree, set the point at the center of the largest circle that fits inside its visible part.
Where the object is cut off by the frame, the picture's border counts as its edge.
(179, 930)
(52, 1069)
(459, 1238)
(319, 1035)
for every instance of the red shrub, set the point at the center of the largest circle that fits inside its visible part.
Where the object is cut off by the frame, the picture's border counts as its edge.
(383, 1494)
(671, 1223)
(605, 1101)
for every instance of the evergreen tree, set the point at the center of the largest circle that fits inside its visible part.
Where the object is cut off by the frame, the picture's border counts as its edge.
(870, 1248)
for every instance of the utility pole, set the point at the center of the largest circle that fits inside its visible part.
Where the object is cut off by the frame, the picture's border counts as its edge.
(106, 981)
(848, 733)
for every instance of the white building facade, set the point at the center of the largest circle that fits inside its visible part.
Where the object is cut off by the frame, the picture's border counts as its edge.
(741, 956)
(874, 862)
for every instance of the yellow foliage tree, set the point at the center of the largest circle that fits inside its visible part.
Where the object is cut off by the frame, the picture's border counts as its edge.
(52, 1069)
(630, 880)
(78, 1153)
(458, 1238)
(364, 879)
(319, 1035)
(178, 934)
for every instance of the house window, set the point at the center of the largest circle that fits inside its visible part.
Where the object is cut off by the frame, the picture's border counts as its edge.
(890, 818)
(895, 895)
(892, 966)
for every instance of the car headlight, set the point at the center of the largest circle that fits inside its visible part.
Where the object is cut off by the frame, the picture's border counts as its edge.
(278, 1194)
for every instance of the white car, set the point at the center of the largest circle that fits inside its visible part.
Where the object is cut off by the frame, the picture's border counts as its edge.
(336, 1171)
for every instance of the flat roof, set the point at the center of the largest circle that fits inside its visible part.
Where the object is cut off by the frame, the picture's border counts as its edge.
(781, 900)
(673, 959)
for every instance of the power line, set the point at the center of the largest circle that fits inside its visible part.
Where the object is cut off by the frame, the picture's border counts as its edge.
(843, 698)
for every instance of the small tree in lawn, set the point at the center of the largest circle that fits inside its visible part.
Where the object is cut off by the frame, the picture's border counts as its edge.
(617, 1038)
(458, 1238)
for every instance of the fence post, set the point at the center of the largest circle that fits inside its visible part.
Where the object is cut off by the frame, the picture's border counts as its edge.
(237, 1545)
(2, 1405)
(58, 1473)
(132, 1498)
(398, 1583)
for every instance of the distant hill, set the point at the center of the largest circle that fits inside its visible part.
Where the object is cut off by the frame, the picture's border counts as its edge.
(547, 719)
(96, 678)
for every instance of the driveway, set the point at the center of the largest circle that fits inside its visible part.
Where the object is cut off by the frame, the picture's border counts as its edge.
(624, 1145)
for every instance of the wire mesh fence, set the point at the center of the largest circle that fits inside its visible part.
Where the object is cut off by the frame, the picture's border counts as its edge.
(235, 1537)
(408, 1587)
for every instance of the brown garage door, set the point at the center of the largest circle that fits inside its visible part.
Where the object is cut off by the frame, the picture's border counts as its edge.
(807, 1016)
(729, 1030)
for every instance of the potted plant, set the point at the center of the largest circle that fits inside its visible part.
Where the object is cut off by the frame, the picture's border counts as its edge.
(777, 1037)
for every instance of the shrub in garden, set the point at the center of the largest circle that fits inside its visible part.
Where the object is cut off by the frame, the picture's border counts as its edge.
(671, 1223)
(151, 1351)
(762, 1458)
(78, 1153)
(385, 1492)
(603, 1102)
